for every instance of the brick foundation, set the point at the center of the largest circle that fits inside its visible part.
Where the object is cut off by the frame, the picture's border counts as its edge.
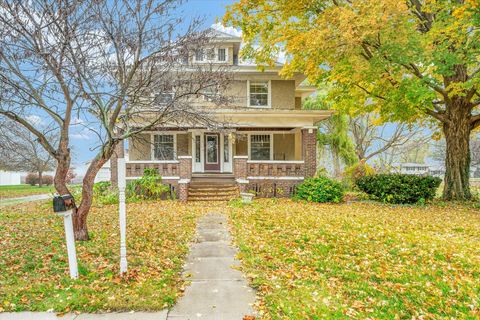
(273, 188)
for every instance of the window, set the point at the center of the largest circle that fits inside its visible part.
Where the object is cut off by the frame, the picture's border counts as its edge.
(164, 98)
(260, 147)
(222, 54)
(164, 147)
(199, 55)
(259, 94)
(226, 151)
(197, 149)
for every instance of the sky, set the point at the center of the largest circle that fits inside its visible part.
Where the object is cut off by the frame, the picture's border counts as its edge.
(84, 141)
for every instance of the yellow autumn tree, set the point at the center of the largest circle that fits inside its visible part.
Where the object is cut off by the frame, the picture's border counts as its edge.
(410, 60)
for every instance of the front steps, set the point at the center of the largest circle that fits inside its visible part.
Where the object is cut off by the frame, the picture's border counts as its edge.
(212, 187)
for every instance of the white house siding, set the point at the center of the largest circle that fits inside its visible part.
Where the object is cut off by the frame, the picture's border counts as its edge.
(9, 178)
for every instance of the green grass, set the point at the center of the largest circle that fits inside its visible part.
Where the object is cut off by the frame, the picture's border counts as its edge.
(23, 190)
(34, 266)
(360, 260)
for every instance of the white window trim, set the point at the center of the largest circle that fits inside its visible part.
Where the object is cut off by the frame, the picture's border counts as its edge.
(269, 98)
(152, 144)
(249, 145)
(215, 59)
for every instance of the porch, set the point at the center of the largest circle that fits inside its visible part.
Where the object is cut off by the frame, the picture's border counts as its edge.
(259, 159)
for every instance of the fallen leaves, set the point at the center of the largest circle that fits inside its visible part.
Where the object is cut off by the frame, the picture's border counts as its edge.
(34, 265)
(311, 261)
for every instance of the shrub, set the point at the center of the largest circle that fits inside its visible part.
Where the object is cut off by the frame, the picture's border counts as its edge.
(320, 189)
(33, 179)
(355, 172)
(149, 186)
(399, 188)
(47, 180)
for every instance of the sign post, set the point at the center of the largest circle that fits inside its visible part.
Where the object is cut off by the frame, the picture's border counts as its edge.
(122, 183)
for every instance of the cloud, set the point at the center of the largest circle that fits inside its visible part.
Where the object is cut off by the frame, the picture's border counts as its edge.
(84, 134)
(34, 119)
(230, 30)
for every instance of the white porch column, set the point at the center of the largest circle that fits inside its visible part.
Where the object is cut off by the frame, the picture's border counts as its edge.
(122, 183)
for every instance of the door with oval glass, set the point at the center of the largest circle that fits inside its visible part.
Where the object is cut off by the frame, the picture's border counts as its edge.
(212, 152)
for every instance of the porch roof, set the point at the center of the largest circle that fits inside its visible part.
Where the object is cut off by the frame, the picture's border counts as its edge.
(271, 117)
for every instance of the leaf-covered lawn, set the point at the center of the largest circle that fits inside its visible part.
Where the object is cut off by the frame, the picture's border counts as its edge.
(23, 190)
(34, 266)
(312, 261)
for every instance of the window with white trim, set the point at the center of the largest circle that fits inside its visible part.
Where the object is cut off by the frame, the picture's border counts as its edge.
(259, 92)
(164, 147)
(199, 55)
(226, 149)
(222, 54)
(197, 149)
(260, 145)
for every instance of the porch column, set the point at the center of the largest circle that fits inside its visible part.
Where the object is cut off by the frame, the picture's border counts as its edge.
(240, 171)
(185, 176)
(309, 151)
(118, 153)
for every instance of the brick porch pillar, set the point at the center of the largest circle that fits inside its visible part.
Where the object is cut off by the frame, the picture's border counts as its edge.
(240, 172)
(185, 176)
(119, 152)
(309, 151)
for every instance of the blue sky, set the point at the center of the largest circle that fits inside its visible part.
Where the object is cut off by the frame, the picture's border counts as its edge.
(83, 140)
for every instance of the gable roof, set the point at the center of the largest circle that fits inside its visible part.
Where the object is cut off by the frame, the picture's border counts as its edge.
(223, 35)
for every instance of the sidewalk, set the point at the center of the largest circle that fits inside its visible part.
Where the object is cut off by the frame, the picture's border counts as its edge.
(217, 291)
(35, 197)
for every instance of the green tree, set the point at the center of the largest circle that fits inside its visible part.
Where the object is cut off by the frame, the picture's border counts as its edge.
(411, 60)
(333, 132)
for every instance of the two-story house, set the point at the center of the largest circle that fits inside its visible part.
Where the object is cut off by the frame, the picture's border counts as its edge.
(269, 148)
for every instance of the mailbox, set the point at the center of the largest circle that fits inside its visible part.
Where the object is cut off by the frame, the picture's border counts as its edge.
(63, 203)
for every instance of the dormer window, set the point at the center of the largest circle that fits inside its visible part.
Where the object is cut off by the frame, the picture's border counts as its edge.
(222, 54)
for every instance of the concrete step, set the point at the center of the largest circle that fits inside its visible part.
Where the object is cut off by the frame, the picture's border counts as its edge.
(212, 195)
(212, 188)
(218, 198)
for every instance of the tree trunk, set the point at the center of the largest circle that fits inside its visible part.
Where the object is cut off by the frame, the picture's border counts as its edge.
(80, 218)
(40, 179)
(457, 130)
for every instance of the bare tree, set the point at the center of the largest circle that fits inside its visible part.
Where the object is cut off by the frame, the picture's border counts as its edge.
(20, 151)
(119, 65)
(372, 140)
(415, 150)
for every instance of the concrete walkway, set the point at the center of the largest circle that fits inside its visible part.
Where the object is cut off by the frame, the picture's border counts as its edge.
(217, 291)
(35, 197)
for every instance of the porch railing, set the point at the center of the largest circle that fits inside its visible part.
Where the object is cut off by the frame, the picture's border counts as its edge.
(164, 168)
(275, 168)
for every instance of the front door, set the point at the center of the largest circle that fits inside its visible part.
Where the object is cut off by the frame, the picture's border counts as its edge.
(212, 152)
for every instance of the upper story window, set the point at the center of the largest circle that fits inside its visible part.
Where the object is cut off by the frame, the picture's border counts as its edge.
(259, 93)
(222, 54)
(199, 55)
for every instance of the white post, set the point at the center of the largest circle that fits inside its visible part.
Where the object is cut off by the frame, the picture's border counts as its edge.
(72, 254)
(122, 183)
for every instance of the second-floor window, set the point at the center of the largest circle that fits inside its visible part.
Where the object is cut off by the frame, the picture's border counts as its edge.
(259, 94)
(222, 54)
(199, 55)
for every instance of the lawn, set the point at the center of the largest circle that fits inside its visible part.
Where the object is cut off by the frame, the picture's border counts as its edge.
(23, 190)
(312, 261)
(34, 265)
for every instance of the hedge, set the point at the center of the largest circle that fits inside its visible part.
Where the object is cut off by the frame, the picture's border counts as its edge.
(399, 188)
(320, 189)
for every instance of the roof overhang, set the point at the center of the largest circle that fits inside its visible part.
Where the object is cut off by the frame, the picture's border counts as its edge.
(273, 118)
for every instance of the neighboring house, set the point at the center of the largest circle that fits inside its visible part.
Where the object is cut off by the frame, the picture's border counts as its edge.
(270, 147)
(414, 168)
(10, 178)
